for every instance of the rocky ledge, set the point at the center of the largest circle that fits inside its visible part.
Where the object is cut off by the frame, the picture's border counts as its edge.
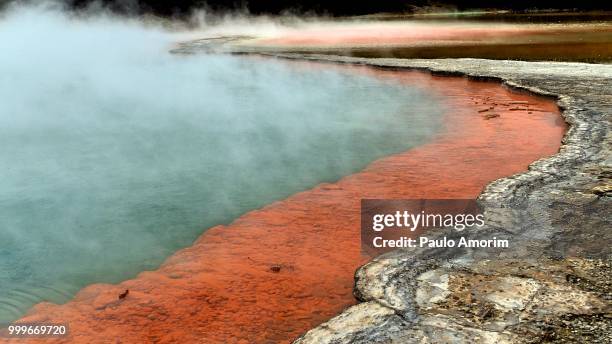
(553, 283)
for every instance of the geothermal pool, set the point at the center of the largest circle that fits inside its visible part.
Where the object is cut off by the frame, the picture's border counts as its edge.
(223, 288)
(210, 170)
(116, 153)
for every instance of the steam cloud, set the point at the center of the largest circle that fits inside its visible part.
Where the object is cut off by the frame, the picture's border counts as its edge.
(115, 153)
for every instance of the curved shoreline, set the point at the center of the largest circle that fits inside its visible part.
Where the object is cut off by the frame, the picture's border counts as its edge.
(400, 292)
(99, 301)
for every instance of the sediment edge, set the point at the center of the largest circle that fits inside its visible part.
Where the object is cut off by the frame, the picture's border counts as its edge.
(552, 284)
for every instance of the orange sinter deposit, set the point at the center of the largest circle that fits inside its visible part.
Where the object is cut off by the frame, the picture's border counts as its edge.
(278, 271)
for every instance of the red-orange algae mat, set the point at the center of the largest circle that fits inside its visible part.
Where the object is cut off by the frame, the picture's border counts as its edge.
(224, 288)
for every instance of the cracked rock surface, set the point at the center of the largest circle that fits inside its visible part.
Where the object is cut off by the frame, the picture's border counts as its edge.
(490, 301)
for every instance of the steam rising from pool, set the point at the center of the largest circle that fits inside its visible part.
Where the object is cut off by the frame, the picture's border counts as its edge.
(116, 153)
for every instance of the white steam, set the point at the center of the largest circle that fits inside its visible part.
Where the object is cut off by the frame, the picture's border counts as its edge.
(115, 153)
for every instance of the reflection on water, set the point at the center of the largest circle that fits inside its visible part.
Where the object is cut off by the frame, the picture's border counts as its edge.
(115, 153)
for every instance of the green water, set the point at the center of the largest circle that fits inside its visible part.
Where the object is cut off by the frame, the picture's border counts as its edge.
(116, 154)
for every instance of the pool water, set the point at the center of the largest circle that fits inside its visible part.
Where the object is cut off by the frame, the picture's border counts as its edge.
(116, 153)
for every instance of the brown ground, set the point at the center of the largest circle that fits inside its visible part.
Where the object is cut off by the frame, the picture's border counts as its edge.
(280, 270)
